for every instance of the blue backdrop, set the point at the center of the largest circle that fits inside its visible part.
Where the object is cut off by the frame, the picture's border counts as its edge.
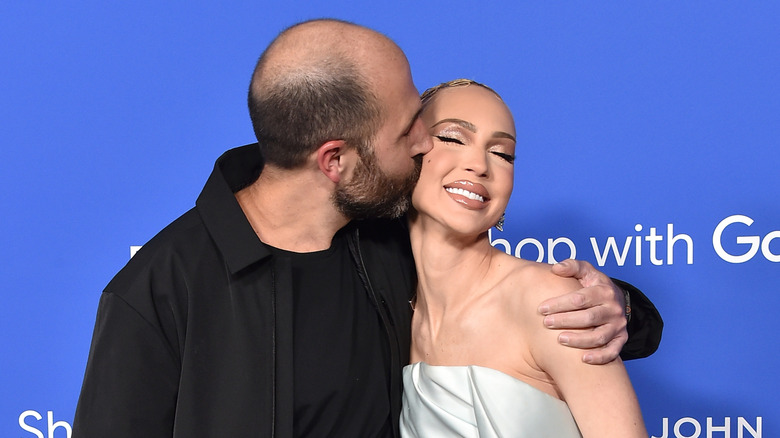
(647, 145)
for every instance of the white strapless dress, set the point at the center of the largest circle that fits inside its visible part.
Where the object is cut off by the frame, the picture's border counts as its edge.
(474, 401)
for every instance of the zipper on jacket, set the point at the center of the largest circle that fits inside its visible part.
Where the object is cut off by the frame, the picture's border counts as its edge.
(387, 323)
(273, 353)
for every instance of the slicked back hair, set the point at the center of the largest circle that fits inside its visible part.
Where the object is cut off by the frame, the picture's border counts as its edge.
(428, 94)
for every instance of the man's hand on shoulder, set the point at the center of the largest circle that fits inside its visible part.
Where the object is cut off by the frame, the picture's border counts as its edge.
(598, 306)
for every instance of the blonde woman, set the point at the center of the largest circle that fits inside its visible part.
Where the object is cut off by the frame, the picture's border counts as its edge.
(483, 364)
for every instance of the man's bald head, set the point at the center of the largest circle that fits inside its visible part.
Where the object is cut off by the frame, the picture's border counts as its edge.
(320, 81)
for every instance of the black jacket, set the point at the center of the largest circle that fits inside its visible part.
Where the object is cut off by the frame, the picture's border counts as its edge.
(193, 338)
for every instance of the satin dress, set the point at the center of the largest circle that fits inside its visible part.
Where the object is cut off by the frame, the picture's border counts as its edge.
(474, 401)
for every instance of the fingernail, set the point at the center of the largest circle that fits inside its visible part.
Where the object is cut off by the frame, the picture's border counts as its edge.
(549, 321)
(544, 310)
(588, 358)
(563, 339)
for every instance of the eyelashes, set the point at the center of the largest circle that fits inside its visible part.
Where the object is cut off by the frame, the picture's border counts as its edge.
(446, 139)
(509, 158)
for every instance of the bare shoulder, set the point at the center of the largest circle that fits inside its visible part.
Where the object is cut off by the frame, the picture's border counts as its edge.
(600, 396)
(536, 281)
(525, 286)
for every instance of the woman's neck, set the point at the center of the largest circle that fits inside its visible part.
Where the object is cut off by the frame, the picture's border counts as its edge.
(451, 269)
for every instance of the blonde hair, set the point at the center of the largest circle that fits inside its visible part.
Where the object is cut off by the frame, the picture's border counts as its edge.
(428, 94)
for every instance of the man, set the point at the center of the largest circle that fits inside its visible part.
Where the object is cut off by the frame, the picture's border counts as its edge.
(268, 310)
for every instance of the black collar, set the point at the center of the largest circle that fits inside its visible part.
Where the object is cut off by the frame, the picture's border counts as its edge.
(222, 215)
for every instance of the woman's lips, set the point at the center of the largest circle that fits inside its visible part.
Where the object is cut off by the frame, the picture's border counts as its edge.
(471, 195)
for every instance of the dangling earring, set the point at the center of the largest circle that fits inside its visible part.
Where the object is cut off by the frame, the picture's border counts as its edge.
(500, 224)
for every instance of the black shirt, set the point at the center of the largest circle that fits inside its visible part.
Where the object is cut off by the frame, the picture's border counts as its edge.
(339, 367)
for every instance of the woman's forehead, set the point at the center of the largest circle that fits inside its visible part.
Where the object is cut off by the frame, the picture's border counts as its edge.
(471, 103)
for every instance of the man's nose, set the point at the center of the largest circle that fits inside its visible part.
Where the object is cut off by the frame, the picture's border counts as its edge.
(423, 142)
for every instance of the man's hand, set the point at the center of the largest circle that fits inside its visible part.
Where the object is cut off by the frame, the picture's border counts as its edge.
(598, 306)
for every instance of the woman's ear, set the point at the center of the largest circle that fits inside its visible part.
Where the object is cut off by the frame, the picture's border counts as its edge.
(333, 159)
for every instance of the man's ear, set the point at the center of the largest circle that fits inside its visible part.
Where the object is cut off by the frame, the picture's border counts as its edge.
(333, 159)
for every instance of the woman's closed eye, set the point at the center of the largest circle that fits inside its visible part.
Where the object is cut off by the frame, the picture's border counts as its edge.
(446, 139)
(508, 157)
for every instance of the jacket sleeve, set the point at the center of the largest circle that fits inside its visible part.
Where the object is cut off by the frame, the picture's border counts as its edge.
(645, 326)
(131, 380)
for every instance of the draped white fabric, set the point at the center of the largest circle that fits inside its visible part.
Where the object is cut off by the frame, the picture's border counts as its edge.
(473, 401)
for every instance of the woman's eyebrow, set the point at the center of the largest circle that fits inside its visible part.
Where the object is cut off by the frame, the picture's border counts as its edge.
(471, 127)
(468, 125)
(502, 134)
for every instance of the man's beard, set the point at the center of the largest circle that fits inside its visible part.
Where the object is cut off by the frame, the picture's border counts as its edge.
(372, 193)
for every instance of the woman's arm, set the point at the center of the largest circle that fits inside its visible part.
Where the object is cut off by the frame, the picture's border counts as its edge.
(600, 397)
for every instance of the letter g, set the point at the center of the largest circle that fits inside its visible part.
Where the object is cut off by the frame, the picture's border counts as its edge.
(752, 240)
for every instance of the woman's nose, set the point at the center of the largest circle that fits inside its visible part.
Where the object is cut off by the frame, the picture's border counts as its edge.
(476, 161)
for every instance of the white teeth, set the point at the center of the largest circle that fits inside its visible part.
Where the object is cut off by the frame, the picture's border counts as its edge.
(465, 193)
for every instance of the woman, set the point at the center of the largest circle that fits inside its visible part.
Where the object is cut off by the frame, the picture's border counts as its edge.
(483, 364)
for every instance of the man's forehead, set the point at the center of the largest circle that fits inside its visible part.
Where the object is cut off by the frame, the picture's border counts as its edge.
(412, 105)
(411, 120)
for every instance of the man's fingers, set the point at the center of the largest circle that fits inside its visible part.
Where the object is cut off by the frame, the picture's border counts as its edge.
(610, 352)
(580, 319)
(565, 268)
(583, 271)
(594, 315)
(572, 268)
(588, 339)
(600, 346)
(565, 303)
